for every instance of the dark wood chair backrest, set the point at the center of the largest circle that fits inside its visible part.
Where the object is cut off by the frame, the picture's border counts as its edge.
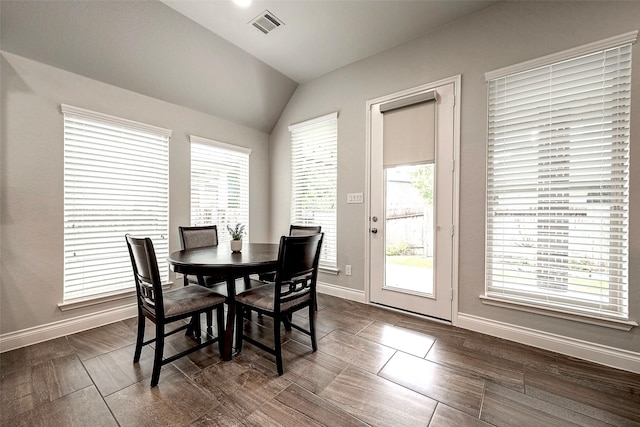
(197, 237)
(146, 275)
(303, 230)
(297, 270)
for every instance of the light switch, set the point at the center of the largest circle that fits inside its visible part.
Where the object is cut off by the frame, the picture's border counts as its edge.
(355, 198)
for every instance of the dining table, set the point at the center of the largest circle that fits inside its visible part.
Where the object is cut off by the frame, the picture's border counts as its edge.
(254, 258)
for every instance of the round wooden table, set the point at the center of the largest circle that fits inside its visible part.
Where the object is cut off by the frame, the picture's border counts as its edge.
(219, 260)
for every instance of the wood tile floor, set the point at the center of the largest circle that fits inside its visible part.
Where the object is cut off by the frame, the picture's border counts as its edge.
(373, 368)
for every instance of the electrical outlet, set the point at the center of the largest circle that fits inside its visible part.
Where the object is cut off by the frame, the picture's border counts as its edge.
(347, 270)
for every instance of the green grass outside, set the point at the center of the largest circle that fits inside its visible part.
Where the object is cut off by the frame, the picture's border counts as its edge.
(410, 261)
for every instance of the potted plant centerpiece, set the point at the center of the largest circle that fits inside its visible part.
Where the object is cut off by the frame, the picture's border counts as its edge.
(236, 237)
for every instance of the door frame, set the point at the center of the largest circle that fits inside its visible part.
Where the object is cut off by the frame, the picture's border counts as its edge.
(456, 80)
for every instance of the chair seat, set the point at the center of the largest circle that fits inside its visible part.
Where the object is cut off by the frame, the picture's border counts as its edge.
(261, 296)
(188, 299)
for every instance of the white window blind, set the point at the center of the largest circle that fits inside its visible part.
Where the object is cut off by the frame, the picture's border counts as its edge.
(116, 181)
(219, 185)
(314, 180)
(557, 185)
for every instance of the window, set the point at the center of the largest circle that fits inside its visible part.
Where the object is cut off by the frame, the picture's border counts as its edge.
(314, 180)
(219, 185)
(116, 181)
(557, 182)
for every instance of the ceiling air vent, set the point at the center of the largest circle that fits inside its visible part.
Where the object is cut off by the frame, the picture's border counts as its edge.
(266, 22)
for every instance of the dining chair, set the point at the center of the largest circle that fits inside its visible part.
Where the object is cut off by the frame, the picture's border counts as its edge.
(201, 236)
(197, 237)
(163, 308)
(294, 288)
(294, 230)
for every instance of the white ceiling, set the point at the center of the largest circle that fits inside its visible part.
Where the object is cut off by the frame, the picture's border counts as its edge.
(321, 36)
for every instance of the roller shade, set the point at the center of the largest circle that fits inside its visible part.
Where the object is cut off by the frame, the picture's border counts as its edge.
(409, 130)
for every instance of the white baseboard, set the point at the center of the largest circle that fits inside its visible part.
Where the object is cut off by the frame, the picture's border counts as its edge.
(340, 292)
(597, 353)
(36, 334)
(605, 355)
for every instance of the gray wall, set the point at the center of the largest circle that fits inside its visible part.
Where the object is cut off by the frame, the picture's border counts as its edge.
(502, 35)
(146, 47)
(31, 165)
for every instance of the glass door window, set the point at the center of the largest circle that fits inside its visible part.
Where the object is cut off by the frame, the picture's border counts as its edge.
(409, 243)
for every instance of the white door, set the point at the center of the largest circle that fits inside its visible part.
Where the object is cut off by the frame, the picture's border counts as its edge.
(413, 198)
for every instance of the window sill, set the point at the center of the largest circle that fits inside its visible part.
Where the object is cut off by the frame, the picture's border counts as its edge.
(329, 270)
(622, 325)
(100, 299)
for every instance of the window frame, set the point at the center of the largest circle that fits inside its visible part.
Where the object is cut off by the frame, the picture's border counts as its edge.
(82, 128)
(304, 132)
(510, 298)
(234, 156)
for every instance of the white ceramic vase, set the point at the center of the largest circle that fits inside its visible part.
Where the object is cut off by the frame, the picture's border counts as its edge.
(236, 245)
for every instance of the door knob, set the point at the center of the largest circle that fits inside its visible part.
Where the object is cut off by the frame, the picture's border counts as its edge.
(374, 230)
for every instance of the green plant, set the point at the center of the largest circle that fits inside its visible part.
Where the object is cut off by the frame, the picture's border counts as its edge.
(237, 232)
(422, 179)
(401, 248)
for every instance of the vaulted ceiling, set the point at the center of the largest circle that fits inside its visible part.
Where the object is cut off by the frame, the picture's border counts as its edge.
(204, 55)
(317, 37)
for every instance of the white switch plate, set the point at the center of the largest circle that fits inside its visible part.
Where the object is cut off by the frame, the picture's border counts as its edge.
(347, 270)
(355, 198)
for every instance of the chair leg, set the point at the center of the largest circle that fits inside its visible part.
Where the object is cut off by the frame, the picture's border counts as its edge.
(220, 321)
(286, 321)
(157, 360)
(278, 344)
(312, 327)
(191, 328)
(209, 322)
(197, 329)
(139, 338)
(239, 326)
(247, 284)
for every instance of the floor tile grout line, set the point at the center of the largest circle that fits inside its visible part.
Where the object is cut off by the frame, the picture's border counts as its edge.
(387, 362)
(93, 383)
(484, 392)
(433, 414)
